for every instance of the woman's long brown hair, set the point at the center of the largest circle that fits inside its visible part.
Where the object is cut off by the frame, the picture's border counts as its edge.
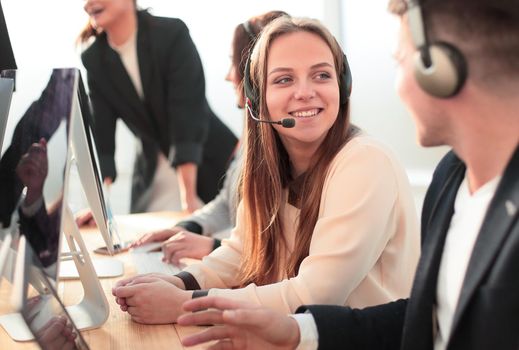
(266, 174)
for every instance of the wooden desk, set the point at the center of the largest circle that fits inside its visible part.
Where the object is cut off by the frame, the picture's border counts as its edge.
(119, 331)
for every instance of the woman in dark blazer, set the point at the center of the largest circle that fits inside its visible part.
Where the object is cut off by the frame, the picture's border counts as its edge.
(146, 70)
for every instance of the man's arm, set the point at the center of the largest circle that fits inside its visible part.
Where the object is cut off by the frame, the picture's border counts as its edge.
(377, 327)
(250, 326)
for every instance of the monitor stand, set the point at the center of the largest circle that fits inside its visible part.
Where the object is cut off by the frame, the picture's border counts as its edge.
(103, 267)
(92, 311)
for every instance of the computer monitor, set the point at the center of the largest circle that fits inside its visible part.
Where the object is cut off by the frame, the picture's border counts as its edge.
(7, 61)
(46, 317)
(32, 171)
(63, 101)
(5, 246)
(6, 92)
(83, 142)
(83, 156)
(34, 174)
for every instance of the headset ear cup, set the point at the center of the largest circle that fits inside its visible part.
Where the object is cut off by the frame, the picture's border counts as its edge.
(248, 88)
(345, 82)
(447, 74)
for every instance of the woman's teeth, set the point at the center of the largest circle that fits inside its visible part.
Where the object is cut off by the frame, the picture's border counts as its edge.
(306, 114)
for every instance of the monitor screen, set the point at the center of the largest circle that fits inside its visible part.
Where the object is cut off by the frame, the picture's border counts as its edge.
(88, 165)
(84, 106)
(32, 170)
(7, 61)
(6, 92)
(6, 51)
(5, 245)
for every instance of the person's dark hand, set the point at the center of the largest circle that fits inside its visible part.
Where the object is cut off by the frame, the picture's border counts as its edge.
(32, 170)
(57, 334)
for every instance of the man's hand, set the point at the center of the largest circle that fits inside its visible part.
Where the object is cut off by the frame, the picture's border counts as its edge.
(239, 325)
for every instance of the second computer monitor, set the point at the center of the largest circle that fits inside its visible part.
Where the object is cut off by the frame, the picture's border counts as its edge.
(32, 171)
(85, 154)
(6, 92)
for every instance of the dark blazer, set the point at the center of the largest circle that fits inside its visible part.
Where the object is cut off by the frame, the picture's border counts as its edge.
(174, 117)
(487, 315)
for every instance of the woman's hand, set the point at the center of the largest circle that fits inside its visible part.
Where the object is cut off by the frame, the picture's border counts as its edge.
(191, 203)
(156, 236)
(85, 218)
(174, 280)
(239, 325)
(186, 244)
(187, 173)
(177, 282)
(151, 300)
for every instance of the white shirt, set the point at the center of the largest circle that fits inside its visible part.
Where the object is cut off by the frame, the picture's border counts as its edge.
(309, 337)
(128, 54)
(469, 212)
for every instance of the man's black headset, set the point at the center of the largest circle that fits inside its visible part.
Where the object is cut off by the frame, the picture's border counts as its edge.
(252, 95)
(440, 68)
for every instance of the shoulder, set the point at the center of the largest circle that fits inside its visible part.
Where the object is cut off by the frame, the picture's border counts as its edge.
(366, 163)
(366, 150)
(165, 26)
(93, 49)
(446, 166)
(450, 164)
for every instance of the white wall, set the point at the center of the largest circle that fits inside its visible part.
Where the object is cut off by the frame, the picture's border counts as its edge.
(43, 35)
(369, 38)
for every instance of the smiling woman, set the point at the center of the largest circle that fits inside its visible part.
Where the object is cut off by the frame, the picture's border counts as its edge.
(306, 91)
(326, 215)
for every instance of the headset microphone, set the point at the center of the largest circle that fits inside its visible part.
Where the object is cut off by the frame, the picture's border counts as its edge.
(285, 122)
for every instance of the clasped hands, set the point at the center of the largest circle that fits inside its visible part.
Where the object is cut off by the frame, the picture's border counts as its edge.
(152, 298)
(161, 299)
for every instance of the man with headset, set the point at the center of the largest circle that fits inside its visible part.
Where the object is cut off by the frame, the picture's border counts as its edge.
(459, 77)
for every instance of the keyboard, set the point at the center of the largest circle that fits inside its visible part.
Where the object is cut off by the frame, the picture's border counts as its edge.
(152, 262)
